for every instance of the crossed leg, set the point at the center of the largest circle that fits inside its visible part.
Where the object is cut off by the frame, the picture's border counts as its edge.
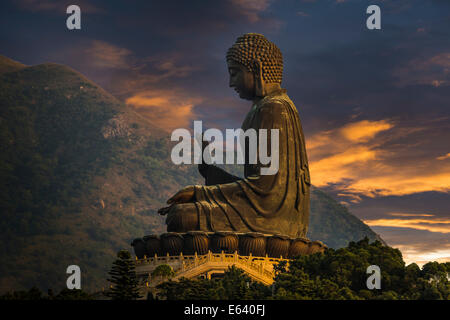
(182, 217)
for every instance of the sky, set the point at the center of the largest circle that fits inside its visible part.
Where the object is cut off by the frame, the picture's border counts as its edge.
(374, 104)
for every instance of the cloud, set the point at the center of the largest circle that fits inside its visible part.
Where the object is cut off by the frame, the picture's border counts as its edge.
(418, 246)
(354, 198)
(421, 237)
(56, 6)
(412, 255)
(302, 14)
(353, 132)
(199, 22)
(376, 158)
(106, 55)
(364, 130)
(170, 65)
(125, 74)
(429, 224)
(447, 156)
(433, 258)
(166, 109)
(251, 8)
(433, 71)
(401, 214)
(152, 72)
(421, 30)
(400, 183)
(336, 155)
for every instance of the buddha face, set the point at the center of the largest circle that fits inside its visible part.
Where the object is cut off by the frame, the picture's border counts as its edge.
(242, 80)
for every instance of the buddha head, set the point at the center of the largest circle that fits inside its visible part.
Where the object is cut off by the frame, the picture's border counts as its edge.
(255, 66)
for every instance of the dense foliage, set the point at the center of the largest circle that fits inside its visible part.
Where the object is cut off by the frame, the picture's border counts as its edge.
(341, 274)
(334, 275)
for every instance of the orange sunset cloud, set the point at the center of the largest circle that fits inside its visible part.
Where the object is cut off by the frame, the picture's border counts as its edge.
(411, 255)
(355, 157)
(400, 214)
(364, 130)
(447, 156)
(167, 110)
(432, 225)
(105, 55)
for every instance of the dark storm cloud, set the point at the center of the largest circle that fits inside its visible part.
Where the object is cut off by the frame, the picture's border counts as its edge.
(423, 240)
(55, 7)
(372, 75)
(433, 203)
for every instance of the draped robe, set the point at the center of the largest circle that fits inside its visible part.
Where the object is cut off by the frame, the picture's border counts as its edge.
(271, 204)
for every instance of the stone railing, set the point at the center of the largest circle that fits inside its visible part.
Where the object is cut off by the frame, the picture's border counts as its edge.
(183, 265)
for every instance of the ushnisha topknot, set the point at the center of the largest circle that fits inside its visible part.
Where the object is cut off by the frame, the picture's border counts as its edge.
(251, 46)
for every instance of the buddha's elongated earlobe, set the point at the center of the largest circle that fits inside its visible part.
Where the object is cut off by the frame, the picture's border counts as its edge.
(259, 81)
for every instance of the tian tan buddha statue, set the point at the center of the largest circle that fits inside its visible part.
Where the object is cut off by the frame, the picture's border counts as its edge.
(270, 204)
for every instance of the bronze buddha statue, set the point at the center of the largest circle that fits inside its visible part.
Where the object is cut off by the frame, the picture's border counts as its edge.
(270, 204)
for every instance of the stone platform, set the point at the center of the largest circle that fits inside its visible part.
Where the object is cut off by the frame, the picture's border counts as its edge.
(245, 244)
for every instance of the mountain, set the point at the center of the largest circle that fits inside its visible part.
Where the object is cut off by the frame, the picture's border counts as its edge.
(9, 65)
(81, 175)
(332, 223)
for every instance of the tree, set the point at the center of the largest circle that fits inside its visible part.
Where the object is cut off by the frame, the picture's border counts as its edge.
(123, 278)
(163, 271)
(341, 274)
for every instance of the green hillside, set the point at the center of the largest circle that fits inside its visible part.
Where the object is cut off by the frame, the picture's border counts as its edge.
(9, 65)
(81, 175)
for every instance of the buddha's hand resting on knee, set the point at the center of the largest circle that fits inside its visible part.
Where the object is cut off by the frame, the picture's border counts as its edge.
(184, 195)
(164, 211)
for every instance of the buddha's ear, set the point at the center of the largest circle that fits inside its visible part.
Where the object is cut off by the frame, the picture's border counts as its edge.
(259, 81)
